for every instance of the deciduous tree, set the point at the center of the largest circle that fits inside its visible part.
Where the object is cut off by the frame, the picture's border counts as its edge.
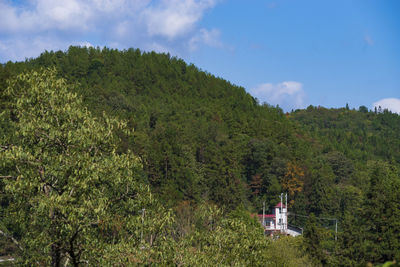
(74, 197)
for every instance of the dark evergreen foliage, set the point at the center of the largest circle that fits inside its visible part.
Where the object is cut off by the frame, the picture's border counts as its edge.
(201, 138)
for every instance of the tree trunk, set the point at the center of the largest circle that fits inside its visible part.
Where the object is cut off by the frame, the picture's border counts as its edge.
(55, 255)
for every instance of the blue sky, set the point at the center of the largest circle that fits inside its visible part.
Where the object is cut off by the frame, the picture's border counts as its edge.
(287, 53)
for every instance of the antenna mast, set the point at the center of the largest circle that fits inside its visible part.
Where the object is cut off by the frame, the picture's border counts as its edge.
(286, 213)
(281, 212)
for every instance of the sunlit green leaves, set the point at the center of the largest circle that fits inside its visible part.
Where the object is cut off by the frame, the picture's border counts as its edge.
(69, 183)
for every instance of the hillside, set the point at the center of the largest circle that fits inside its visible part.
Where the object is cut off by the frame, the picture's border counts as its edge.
(202, 139)
(193, 131)
(360, 135)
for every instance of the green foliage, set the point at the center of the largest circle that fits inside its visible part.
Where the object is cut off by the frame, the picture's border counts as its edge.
(288, 251)
(192, 130)
(197, 139)
(381, 213)
(73, 195)
(312, 234)
(77, 200)
(235, 240)
(363, 109)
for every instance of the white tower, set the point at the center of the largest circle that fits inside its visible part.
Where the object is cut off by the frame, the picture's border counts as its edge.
(281, 216)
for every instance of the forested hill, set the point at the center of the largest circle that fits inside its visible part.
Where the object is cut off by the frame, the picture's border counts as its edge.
(200, 138)
(197, 134)
(361, 135)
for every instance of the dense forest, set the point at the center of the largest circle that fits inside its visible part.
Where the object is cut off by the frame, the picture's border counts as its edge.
(115, 157)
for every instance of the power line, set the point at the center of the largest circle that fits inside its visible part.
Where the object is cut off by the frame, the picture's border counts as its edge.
(307, 216)
(321, 218)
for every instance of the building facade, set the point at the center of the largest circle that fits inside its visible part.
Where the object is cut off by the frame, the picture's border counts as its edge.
(277, 222)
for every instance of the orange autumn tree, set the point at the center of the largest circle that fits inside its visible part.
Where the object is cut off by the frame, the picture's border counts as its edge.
(293, 181)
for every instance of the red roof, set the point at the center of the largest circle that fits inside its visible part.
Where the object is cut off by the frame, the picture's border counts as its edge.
(280, 204)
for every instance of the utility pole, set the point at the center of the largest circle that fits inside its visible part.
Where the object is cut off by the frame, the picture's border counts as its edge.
(141, 234)
(263, 218)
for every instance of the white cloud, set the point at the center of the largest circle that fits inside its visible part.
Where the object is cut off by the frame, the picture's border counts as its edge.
(85, 44)
(146, 24)
(288, 95)
(158, 47)
(172, 18)
(168, 18)
(392, 104)
(34, 47)
(22, 47)
(209, 38)
(43, 15)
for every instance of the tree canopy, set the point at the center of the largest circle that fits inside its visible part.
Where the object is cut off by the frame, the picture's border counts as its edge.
(73, 195)
(86, 141)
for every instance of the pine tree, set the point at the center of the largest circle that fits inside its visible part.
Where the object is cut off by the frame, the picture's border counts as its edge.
(381, 213)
